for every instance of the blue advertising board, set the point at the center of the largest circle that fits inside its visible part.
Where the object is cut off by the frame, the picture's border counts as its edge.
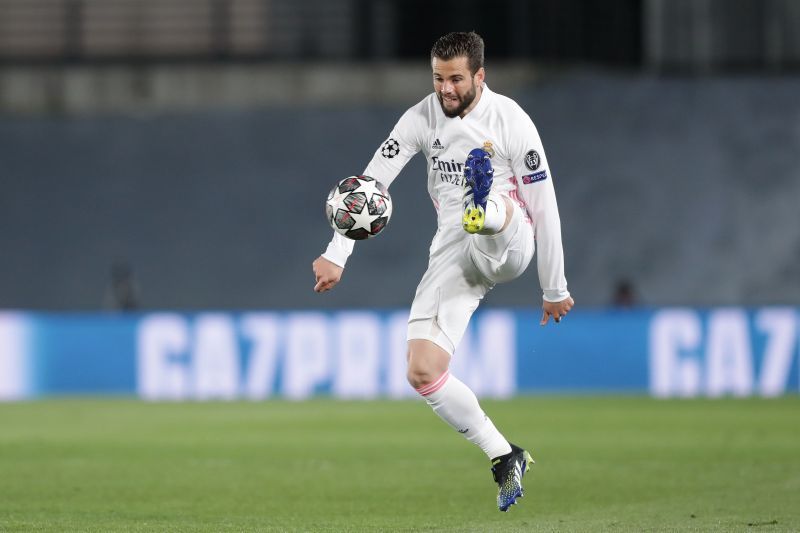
(668, 352)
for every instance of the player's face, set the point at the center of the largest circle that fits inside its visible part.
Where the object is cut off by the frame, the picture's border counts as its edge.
(456, 88)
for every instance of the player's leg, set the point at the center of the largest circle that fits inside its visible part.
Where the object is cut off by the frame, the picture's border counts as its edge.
(446, 297)
(456, 404)
(484, 213)
(500, 248)
(498, 214)
(450, 398)
(504, 255)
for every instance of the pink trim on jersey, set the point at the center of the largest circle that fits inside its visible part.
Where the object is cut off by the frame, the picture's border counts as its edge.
(514, 195)
(435, 204)
(430, 388)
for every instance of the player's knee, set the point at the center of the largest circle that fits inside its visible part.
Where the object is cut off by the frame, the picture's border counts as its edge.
(426, 363)
(419, 377)
(420, 371)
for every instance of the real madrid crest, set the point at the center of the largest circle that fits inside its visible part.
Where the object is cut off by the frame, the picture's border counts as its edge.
(488, 148)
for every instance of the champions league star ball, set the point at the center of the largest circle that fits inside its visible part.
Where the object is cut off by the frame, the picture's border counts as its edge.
(359, 207)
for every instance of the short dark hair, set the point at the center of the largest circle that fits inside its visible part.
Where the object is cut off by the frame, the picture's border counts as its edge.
(460, 44)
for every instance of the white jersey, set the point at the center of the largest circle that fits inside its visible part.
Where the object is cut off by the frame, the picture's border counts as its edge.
(502, 128)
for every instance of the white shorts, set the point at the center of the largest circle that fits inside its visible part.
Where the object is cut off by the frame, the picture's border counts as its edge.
(461, 270)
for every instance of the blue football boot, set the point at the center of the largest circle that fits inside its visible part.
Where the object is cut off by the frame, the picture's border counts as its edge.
(507, 471)
(478, 176)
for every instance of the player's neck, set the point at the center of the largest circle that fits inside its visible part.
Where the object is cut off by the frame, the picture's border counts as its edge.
(478, 94)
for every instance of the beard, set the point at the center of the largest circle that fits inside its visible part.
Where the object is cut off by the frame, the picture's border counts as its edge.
(463, 103)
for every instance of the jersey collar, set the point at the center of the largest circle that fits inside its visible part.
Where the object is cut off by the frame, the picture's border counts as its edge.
(482, 104)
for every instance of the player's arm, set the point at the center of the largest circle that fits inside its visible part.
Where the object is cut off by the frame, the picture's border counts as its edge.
(535, 188)
(389, 159)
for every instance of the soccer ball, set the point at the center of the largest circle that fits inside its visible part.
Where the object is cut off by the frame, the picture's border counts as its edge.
(358, 207)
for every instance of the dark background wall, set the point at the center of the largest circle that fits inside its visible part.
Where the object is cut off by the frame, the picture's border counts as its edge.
(688, 188)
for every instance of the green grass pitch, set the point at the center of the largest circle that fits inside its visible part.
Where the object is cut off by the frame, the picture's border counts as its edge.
(603, 464)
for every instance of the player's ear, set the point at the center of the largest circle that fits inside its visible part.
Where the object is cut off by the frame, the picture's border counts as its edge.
(480, 75)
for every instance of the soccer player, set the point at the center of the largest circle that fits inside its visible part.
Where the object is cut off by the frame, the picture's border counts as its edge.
(493, 191)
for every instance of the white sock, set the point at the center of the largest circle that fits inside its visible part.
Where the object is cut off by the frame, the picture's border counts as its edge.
(495, 217)
(457, 405)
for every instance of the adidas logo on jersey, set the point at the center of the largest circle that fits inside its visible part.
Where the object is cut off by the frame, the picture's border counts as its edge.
(437, 145)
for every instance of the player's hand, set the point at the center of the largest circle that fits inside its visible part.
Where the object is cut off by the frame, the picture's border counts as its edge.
(558, 310)
(326, 273)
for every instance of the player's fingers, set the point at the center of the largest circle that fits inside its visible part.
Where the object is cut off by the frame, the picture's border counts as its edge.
(545, 318)
(320, 286)
(329, 284)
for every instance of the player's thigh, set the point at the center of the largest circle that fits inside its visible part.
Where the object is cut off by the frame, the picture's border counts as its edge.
(505, 255)
(447, 296)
